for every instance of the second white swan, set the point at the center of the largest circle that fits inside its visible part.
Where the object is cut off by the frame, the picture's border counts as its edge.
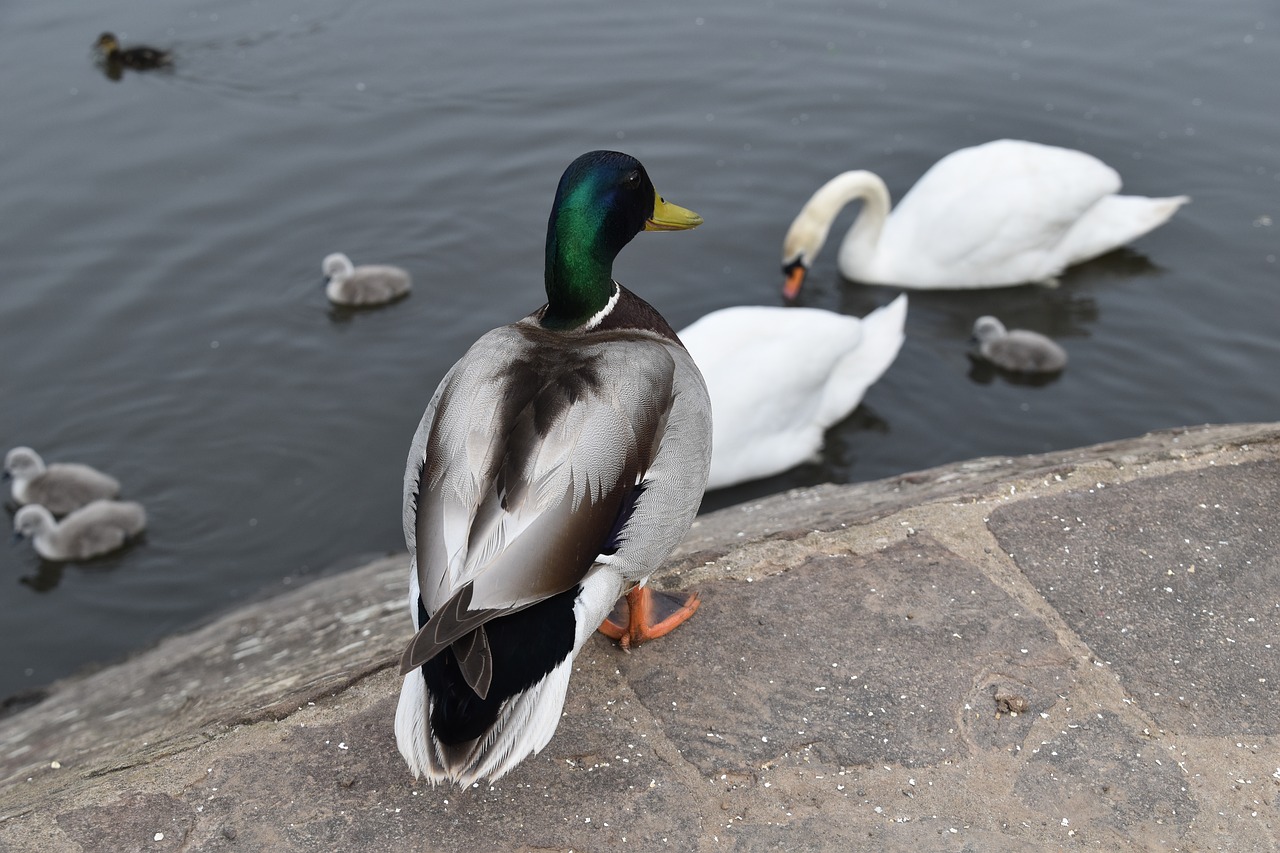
(1002, 213)
(779, 377)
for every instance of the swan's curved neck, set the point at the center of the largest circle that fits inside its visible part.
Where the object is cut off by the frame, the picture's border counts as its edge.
(809, 231)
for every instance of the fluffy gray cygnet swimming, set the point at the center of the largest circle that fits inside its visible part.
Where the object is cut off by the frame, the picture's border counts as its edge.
(96, 528)
(61, 487)
(370, 284)
(1018, 350)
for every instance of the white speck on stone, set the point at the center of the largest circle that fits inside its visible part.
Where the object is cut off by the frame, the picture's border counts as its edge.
(159, 836)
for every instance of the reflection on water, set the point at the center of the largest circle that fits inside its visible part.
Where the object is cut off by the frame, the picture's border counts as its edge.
(984, 372)
(1065, 308)
(47, 576)
(161, 238)
(48, 573)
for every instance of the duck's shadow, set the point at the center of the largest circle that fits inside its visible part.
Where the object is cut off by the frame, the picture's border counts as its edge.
(114, 70)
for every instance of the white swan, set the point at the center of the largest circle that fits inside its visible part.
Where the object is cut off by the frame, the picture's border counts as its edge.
(369, 284)
(1002, 213)
(61, 487)
(1019, 350)
(779, 377)
(96, 528)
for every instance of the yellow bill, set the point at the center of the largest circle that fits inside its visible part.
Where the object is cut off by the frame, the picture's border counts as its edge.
(670, 217)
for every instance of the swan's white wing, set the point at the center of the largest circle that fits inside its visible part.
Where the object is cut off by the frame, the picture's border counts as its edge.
(778, 377)
(882, 337)
(766, 367)
(1115, 221)
(997, 212)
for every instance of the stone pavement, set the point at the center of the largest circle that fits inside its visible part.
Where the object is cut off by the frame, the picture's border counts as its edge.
(1072, 651)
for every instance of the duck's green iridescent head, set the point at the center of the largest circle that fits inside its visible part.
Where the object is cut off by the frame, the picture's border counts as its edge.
(604, 199)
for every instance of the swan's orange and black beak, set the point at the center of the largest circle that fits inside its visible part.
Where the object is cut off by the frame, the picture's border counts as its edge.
(795, 273)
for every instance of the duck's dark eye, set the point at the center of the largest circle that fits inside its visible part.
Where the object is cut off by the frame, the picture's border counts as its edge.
(632, 180)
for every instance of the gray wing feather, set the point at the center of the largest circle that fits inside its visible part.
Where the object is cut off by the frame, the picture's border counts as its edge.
(65, 487)
(372, 284)
(99, 527)
(456, 625)
(1026, 352)
(522, 465)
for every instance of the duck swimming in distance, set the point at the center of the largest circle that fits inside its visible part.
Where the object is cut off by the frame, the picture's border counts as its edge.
(557, 464)
(1006, 212)
(140, 58)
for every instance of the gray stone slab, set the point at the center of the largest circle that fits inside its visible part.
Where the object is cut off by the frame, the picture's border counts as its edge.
(1097, 771)
(865, 661)
(1172, 580)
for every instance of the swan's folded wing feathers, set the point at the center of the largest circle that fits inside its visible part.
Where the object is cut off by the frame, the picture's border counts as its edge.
(1035, 192)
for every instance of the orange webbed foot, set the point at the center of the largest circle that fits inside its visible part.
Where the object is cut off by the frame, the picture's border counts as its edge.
(644, 614)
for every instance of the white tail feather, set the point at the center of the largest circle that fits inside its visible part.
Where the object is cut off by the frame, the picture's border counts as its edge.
(882, 337)
(1113, 222)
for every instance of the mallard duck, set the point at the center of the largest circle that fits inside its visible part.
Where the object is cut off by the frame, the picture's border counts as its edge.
(779, 377)
(368, 284)
(97, 528)
(140, 58)
(61, 487)
(1007, 212)
(556, 466)
(1019, 350)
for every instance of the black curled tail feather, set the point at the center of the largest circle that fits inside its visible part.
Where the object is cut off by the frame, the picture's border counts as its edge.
(524, 647)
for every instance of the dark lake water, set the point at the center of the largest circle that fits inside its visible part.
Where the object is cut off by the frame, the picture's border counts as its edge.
(162, 315)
